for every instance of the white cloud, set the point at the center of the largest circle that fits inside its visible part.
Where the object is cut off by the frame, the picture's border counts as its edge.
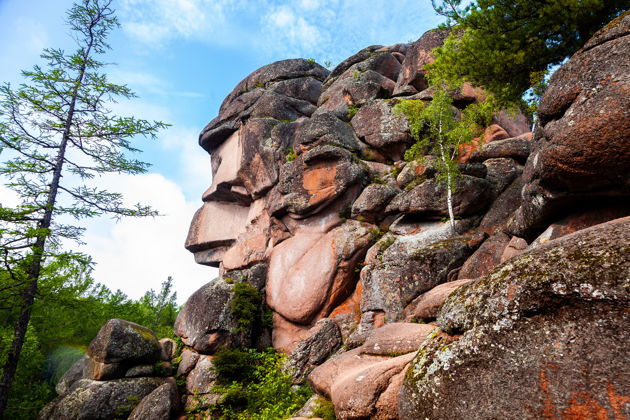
(325, 30)
(193, 161)
(135, 255)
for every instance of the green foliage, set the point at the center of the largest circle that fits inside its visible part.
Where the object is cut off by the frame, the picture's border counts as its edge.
(291, 155)
(311, 60)
(412, 109)
(352, 111)
(245, 306)
(346, 212)
(234, 365)
(506, 46)
(30, 391)
(261, 390)
(376, 233)
(60, 134)
(69, 311)
(324, 409)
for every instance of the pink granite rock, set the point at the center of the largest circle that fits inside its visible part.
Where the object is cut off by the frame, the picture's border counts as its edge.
(356, 391)
(310, 273)
(428, 304)
(486, 257)
(396, 338)
(214, 228)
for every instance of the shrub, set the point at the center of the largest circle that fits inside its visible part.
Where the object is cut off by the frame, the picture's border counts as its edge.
(245, 306)
(265, 392)
(325, 409)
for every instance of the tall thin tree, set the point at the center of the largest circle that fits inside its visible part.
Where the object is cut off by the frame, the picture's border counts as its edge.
(58, 124)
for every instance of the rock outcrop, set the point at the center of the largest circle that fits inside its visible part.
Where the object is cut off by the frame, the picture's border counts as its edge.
(126, 372)
(336, 252)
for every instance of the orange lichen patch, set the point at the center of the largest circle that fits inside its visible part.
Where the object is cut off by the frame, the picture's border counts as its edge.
(379, 320)
(618, 403)
(466, 150)
(549, 410)
(319, 182)
(352, 305)
(583, 406)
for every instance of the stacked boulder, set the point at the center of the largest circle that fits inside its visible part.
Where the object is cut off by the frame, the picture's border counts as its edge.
(126, 373)
(335, 251)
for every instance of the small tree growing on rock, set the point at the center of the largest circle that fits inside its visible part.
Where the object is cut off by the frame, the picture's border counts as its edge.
(57, 132)
(440, 129)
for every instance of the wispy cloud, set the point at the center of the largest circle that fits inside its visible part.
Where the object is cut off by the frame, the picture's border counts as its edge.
(322, 29)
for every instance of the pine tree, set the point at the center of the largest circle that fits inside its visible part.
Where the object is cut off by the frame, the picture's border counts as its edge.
(56, 134)
(507, 46)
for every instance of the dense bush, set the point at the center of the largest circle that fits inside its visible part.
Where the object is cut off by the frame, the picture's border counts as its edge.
(259, 389)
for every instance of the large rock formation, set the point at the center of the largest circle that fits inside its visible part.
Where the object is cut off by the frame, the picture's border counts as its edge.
(126, 372)
(318, 226)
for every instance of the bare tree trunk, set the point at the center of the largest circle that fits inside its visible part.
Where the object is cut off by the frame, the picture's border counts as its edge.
(449, 190)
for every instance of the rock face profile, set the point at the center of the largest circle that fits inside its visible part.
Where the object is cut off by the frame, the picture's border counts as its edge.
(318, 226)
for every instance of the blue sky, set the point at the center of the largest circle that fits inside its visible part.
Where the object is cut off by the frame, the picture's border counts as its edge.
(182, 57)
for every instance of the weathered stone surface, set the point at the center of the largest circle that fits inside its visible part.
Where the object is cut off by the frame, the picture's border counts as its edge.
(517, 148)
(123, 341)
(515, 247)
(100, 371)
(315, 179)
(161, 404)
(416, 172)
(486, 257)
(377, 125)
(311, 273)
(341, 68)
(286, 334)
(411, 78)
(396, 338)
(95, 400)
(168, 348)
(215, 226)
(251, 95)
(408, 268)
(323, 129)
(366, 80)
(71, 376)
(322, 341)
(583, 142)
(188, 362)
(370, 205)
(515, 125)
(495, 132)
(581, 220)
(545, 326)
(503, 208)
(356, 392)
(139, 371)
(205, 323)
(428, 304)
(502, 172)
(355, 93)
(387, 403)
(429, 198)
(202, 378)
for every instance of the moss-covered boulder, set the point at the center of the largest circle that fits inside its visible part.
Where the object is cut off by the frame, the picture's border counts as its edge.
(120, 341)
(96, 400)
(543, 336)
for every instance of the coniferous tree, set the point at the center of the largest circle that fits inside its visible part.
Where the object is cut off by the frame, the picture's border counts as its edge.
(507, 46)
(57, 133)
